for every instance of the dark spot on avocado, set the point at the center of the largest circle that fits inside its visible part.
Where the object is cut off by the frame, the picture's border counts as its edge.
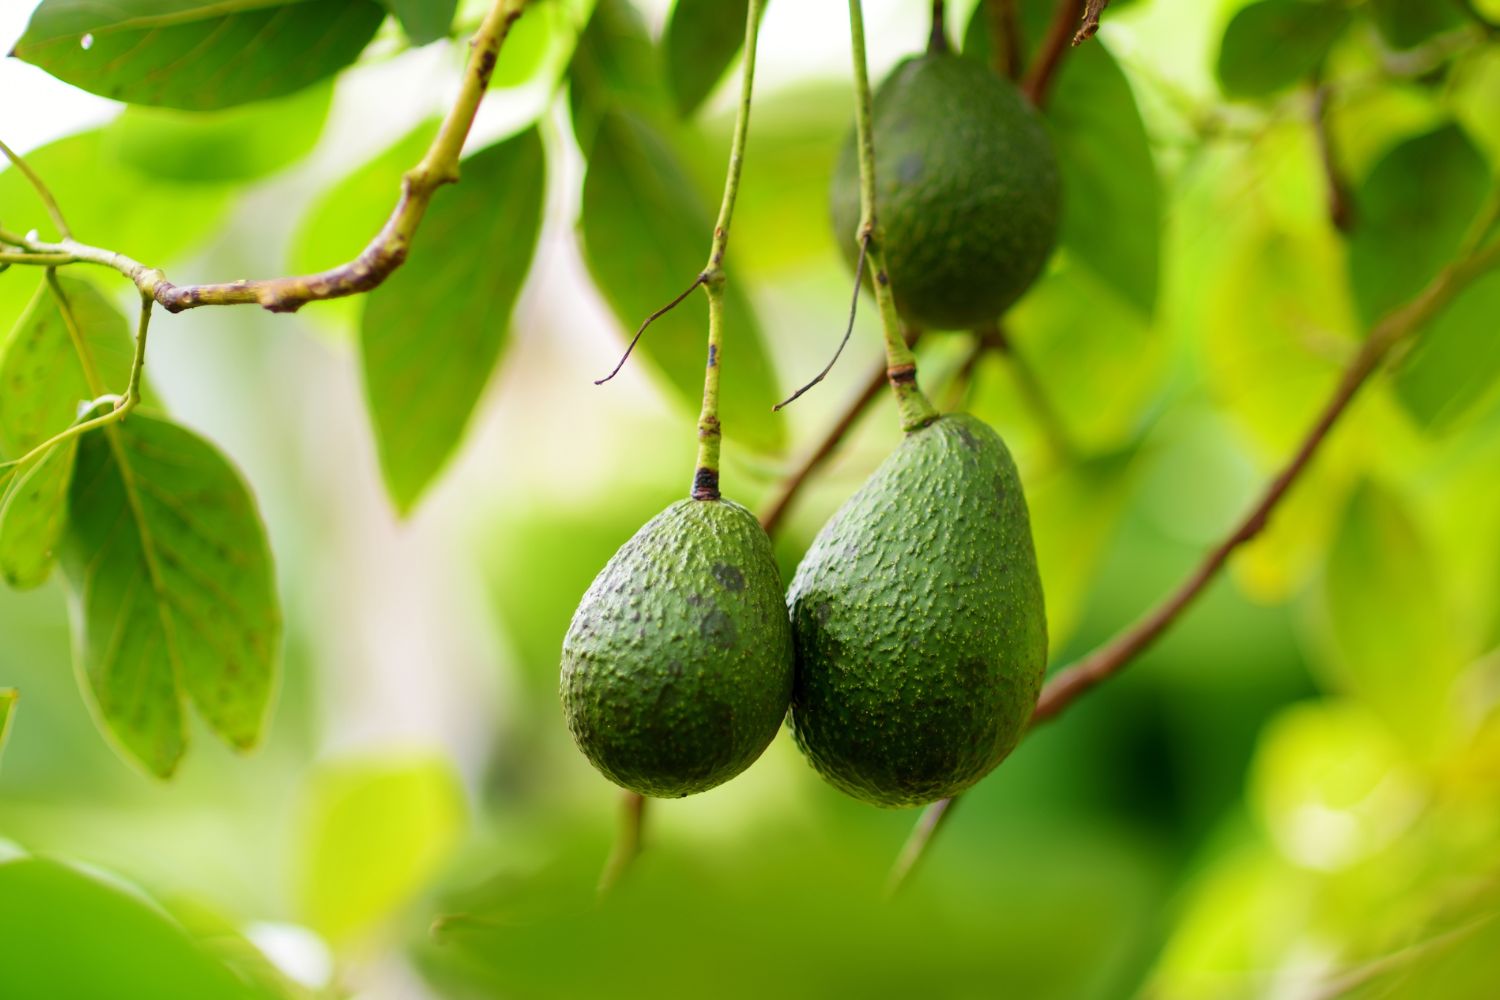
(718, 628)
(731, 578)
(967, 437)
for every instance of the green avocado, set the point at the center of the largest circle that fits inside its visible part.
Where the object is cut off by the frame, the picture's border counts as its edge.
(918, 619)
(677, 668)
(966, 191)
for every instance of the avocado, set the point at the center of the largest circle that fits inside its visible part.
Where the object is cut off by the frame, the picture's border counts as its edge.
(677, 668)
(917, 614)
(966, 191)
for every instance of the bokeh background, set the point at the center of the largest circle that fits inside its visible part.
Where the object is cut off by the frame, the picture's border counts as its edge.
(1295, 794)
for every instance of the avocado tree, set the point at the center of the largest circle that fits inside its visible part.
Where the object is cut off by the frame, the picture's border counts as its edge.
(1187, 376)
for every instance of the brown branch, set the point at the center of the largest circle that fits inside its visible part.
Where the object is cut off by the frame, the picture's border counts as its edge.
(937, 38)
(1091, 14)
(776, 510)
(1340, 202)
(381, 256)
(1005, 38)
(1066, 686)
(627, 841)
(915, 848)
(1044, 66)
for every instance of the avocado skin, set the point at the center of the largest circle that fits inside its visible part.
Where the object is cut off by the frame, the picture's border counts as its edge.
(966, 191)
(677, 667)
(919, 625)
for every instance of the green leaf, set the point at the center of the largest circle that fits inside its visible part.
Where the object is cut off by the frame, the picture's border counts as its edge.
(702, 39)
(1111, 219)
(1456, 361)
(197, 55)
(175, 597)
(43, 384)
(1406, 24)
(645, 237)
(423, 20)
(8, 699)
(1273, 44)
(372, 833)
(66, 933)
(615, 65)
(238, 144)
(1414, 210)
(432, 333)
(1392, 635)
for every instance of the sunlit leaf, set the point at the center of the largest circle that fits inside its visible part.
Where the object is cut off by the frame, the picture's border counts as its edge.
(371, 833)
(1272, 44)
(175, 597)
(8, 699)
(43, 384)
(645, 237)
(702, 39)
(1414, 209)
(215, 146)
(615, 65)
(1330, 784)
(1456, 360)
(67, 933)
(197, 55)
(423, 20)
(432, 333)
(1388, 617)
(1111, 217)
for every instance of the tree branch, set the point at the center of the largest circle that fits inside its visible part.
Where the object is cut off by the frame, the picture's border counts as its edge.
(627, 842)
(1340, 204)
(381, 256)
(1479, 254)
(1090, 27)
(1044, 66)
(1005, 38)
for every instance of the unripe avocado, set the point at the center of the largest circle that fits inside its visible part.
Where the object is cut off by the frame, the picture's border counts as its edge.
(966, 191)
(918, 620)
(677, 668)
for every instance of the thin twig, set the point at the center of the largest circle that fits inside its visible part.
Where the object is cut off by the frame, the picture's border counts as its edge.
(915, 848)
(649, 320)
(859, 278)
(627, 841)
(1479, 254)
(384, 253)
(1005, 38)
(776, 510)
(937, 38)
(42, 192)
(1091, 14)
(1340, 204)
(1037, 82)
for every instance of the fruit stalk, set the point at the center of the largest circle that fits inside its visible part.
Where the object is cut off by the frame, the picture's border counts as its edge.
(901, 364)
(706, 473)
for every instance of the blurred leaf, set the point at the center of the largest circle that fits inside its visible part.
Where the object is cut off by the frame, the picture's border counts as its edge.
(645, 237)
(8, 699)
(1406, 24)
(433, 331)
(175, 597)
(1454, 960)
(1388, 617)
(423, 21)
(44, 388)
(214, 146)
(1456, 360)
(67, 933)
(1272, 44)
(1331, 786)
(1474, 94)
(1414, 209)
(702, 38)
(197, 55)
(349, 214)
(372, 832)
(614, 66)
(1112, 196)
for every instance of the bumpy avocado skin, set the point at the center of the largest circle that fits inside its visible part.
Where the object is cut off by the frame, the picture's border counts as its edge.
(677, 668)
(966, 190)
(919, 625)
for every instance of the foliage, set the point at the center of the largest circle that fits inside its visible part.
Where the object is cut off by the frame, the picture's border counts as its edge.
(353, 539)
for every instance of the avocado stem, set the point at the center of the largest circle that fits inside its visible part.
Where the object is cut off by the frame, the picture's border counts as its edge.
(901, 364)
(706, 472)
